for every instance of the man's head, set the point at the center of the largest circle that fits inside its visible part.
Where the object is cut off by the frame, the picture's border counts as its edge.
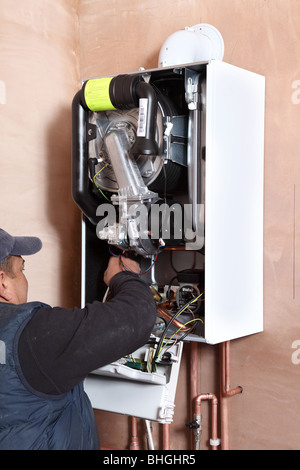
(13, 283)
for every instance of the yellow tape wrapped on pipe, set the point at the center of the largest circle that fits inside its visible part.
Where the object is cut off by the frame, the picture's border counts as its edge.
(96, 94)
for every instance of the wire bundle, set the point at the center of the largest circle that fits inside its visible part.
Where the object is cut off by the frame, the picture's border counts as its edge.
(161, 346)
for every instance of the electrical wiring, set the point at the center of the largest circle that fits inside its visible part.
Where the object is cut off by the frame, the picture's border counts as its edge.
(169, 290)
(140, 273)
(177, 314)
(163, 348)
(126, 268)
(112, 253)
(105, 295)
(159, 348)
(182, 309)
(98, 186)
(119, 256)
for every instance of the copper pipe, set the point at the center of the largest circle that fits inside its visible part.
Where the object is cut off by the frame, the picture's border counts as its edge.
(194, 368)
(163, 311)
(224, 419)
(225, 392)
(134, 445)
(214, 427)
(193, 378)
(166, 436)
(175, 248)
(179, 248)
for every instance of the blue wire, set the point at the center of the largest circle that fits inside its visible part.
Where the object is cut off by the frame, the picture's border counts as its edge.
(129, 270)
(113, 254)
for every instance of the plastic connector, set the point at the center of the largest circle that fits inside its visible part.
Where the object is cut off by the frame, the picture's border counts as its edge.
(215, 442)
(192, 425)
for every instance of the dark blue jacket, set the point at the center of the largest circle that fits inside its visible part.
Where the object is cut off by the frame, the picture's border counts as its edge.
(33, 420)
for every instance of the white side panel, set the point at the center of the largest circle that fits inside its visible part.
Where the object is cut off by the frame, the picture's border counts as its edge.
(234, 202)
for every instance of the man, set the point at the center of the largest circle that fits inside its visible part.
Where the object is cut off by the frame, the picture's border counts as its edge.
(45, 352)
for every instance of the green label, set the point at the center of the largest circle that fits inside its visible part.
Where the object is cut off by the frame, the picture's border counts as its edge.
(96, 94)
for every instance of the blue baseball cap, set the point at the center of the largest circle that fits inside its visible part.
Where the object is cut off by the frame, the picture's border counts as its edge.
(18, 246)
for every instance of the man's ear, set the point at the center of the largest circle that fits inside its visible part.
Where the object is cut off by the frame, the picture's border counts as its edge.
(4, 287)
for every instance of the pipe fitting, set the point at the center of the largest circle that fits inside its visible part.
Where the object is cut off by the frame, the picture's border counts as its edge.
(126, 92)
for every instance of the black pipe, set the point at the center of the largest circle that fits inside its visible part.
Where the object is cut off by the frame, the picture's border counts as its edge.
(147, 144)
(122, 91)
(81, 192)
(125, 92)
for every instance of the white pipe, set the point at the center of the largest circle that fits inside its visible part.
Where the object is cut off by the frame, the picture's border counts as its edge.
(149, 435)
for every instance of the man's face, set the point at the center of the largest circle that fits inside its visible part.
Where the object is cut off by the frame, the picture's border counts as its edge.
(16, 285)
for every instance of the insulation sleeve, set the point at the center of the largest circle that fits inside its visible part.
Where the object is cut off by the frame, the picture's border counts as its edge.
(96, 94)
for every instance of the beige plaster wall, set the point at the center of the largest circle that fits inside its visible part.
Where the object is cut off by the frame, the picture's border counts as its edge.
(262, 36)
(46, 48)
(39, 74)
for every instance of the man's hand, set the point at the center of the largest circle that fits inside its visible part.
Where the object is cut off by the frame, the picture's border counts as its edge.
(115, 267)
